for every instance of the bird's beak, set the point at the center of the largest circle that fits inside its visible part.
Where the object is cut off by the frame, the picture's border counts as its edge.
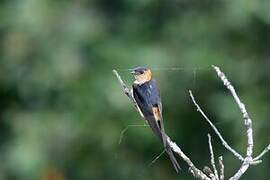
(132, 71)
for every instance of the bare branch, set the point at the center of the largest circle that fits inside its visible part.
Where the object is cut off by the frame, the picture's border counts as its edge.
(247, 121)
(225, 144)
(209, 173)
(194, 170)
(124, 86)
(127, 91)
(212, 157)
(221, 166)
(256, 162)
(242, 169)
(262, 153)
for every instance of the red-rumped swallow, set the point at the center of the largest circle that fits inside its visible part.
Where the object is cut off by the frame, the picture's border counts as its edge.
(147, 97)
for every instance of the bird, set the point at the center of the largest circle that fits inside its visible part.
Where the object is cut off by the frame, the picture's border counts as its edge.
(147, 96)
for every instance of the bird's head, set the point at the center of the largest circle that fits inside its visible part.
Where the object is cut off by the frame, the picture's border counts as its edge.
(141, 74)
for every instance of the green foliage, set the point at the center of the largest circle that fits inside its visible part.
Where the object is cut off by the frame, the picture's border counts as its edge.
(62, 110)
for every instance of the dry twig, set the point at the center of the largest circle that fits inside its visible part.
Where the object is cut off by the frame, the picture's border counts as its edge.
(193, 169)
(221, 166)
(225, 144)
(247, 121)
(212, 157)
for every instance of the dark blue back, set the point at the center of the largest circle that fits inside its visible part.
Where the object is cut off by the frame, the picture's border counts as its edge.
(147, 96)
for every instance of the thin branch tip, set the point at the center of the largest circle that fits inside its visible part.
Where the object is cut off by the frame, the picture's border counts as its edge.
(225, 144)
(247, 122)
(221, 166)
(212, 157)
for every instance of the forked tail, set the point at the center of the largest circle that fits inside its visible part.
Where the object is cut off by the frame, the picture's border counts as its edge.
(172, 158)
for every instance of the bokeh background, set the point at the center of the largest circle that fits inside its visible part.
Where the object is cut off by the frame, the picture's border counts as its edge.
(62, 110)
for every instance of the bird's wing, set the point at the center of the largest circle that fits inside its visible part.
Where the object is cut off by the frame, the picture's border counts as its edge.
(157, 111)
(137, 106)
(149, 103)
(157, 108)
(141, 99)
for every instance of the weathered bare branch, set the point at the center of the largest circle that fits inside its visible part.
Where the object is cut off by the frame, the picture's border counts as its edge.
(225, 144)
(212, 156)
(124, 86)
(221, 167)
(247, 121)
(209, 172)
(127, 91)
(197, 173)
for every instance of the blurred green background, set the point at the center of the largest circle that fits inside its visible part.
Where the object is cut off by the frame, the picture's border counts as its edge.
(62, 110)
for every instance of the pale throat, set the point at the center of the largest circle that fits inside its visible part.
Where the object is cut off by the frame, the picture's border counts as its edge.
(143, 78)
